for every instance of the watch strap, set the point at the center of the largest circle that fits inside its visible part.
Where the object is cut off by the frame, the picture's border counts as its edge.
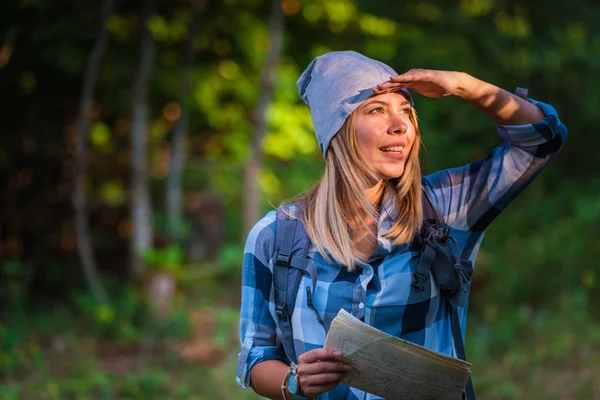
(292, 374)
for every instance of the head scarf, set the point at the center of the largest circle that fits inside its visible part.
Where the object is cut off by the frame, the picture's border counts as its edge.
(335, 84)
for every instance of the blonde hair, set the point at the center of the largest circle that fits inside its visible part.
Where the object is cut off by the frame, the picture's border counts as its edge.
(336, 200)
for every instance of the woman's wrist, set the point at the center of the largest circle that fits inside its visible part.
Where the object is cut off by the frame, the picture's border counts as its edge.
(290, 386)
(497, 103)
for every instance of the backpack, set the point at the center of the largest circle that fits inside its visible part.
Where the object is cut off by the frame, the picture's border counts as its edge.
(440, 254)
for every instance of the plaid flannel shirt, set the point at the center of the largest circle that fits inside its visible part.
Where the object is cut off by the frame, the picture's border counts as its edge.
(380, 293)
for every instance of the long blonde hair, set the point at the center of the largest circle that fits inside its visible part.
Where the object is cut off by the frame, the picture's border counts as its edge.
(337, 198)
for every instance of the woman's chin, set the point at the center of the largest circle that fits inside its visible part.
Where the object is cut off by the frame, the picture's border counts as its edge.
(391, 174)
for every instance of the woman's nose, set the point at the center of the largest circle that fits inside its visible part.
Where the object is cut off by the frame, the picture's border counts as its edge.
(397, 124)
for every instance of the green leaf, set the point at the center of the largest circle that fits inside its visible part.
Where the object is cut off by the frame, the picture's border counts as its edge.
(100, 136)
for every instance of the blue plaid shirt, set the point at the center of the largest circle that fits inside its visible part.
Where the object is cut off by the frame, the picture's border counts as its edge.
(379, 293)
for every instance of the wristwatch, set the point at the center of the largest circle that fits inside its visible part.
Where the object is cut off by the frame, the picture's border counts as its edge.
(292, 383)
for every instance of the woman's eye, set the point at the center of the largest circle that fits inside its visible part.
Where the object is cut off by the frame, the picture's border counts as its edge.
(406, 110)
(376, 110)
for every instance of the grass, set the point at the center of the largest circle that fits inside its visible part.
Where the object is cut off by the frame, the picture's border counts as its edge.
(193, 356)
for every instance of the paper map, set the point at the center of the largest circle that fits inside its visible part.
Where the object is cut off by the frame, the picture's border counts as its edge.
(393, 368)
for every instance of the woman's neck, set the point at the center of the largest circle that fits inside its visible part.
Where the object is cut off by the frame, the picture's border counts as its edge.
(365, 231)
(375, 194)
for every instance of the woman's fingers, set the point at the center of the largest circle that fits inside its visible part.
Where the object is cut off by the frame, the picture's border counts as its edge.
(322, 379)
(321, 361)
(317, 384)
(420, 77)
(319, 355)
(323, 367)
(436, 87)
(388, 87)
(390, 84)
(320, 370)
(413, 75)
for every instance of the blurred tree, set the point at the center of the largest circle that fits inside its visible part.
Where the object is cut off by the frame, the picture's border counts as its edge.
(141, 206)
(253, 164)
(179, 136)
(84, 246)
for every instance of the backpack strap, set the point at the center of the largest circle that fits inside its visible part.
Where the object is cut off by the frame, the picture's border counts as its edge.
(469, 392)
(437, 233)
(289, 263)
(429, 211)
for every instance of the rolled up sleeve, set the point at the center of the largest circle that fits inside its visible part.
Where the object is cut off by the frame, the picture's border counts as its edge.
(258, 330)
(549, 130)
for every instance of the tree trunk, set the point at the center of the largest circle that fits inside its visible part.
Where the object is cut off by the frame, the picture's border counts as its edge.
(177, 160)
(251, 201)
(141, 207)
(82, 230)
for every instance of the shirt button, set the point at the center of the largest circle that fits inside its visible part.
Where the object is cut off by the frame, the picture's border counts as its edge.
(361, 305)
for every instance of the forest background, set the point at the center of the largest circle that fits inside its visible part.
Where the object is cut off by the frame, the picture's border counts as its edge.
(140, 140)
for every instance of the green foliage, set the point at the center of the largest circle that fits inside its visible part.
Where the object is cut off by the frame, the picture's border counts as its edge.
(169, 259)
(112, 192)
(15, 279)
(230, 258)
(122, 320)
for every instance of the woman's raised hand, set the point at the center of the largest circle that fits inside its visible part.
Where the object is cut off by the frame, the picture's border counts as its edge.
(428, 82)
(320, 370)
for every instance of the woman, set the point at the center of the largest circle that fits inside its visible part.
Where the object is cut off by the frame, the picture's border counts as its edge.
(363, 214)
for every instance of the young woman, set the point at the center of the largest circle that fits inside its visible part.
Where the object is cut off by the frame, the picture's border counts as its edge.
(364, 212)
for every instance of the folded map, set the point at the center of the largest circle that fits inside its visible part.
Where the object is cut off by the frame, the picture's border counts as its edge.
(393, 368)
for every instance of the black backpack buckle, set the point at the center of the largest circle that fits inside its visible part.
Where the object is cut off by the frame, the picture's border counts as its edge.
(283, 259)
(419, 280)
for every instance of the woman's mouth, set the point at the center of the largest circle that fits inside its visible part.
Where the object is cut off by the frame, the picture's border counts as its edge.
(392, 149)
(393, 152)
